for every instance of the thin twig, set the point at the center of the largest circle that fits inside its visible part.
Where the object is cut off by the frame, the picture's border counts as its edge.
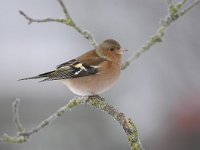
(31, 20)
(72, 103)
(85, 33)
(64, 9)
(173, 14)
(190, 7)
(16, 115)
(67, 21)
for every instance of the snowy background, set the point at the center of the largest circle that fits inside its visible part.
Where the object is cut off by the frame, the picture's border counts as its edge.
(160, 91)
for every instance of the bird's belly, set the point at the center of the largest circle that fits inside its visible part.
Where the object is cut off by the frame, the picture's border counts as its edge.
(91, 85)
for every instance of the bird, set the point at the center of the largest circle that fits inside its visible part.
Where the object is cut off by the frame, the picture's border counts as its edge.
(89, 74)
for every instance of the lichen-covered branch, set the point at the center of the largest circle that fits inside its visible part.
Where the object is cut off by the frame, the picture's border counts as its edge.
(95, 101)
(126, 122)
(67, 21)
(174, 12)
(72, 103)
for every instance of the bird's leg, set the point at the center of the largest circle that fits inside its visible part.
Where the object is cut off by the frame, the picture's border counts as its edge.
(95, 96)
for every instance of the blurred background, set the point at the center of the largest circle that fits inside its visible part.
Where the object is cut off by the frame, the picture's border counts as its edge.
(160, 91)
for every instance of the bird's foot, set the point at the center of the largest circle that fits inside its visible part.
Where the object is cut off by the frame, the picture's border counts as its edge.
(95, 96)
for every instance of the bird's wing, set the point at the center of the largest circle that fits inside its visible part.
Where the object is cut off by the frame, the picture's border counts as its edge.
(85, 65)
(90, 58)
(79, 67)
(68, 63)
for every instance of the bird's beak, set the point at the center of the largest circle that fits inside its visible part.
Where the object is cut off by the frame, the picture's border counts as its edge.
(122, 51)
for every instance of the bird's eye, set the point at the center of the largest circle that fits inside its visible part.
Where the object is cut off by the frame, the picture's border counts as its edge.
(111, 49)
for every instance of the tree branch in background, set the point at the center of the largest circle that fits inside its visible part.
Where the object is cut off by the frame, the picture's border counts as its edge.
(69, 22)
(175, 11)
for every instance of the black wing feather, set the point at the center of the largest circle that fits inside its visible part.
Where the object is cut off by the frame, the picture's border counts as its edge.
(71, 72)
(68, 70)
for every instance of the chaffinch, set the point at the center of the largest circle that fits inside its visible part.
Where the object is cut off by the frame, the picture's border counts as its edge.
(89, 74)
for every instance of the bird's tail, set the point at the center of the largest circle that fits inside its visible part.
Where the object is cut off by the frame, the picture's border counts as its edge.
(44, 75)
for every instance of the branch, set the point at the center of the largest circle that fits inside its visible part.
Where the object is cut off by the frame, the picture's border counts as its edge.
(16, 115)
(94, 101)
(174, 13)
(69, 22)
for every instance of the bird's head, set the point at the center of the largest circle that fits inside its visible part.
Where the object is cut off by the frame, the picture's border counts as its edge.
(111, 49)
